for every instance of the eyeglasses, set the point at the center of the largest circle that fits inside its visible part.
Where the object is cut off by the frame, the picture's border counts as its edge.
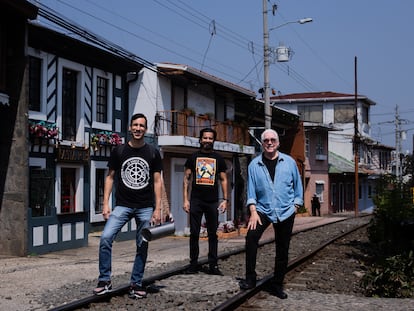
(267, 140)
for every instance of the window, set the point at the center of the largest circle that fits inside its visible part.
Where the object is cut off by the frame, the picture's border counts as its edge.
(307, 145)
(40, 191)
(69, 188)
(344, 113)
(102, 102)
(365, 115)
(319, 189)
(35, 74)
(69, 104)
(99, 189)
(311, 113)
(99, 171)
(319, 148)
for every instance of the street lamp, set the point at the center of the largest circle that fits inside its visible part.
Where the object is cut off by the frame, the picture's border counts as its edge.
(266, 30)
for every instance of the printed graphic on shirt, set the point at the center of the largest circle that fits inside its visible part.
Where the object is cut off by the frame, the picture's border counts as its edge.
(135, 173)
(205, 171)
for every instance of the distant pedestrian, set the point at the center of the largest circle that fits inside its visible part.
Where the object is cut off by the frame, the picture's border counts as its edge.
(316, 206)
(204, 170)
(274, 194)
(137, 168)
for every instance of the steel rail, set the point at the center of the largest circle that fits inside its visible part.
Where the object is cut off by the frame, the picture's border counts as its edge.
(242, 296)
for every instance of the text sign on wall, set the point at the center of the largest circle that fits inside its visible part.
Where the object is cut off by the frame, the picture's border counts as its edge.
(73, 155)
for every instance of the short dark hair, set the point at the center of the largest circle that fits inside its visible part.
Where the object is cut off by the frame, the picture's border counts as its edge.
(137, 116)
(208, 130)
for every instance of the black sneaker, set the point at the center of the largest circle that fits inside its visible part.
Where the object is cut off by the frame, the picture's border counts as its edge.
(137, 292)
(214, 271)
(102, 288)
(278, 292)
(245, 284)
(192, 270)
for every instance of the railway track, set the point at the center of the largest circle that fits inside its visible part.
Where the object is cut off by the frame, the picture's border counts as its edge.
(218, 292)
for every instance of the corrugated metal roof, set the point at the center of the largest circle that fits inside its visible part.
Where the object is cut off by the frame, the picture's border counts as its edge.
(319, 96)
(339, 165)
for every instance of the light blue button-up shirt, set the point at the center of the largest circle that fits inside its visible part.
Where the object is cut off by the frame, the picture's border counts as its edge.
(275, 199)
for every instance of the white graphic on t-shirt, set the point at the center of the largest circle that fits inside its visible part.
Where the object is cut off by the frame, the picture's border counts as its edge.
(135, 173)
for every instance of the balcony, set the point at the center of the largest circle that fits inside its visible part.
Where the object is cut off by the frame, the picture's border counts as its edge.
(178, 123)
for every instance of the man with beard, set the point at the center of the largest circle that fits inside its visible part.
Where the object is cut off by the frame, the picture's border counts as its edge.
(206, 168)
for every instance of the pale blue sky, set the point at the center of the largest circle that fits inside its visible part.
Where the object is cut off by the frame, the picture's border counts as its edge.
(378, 33)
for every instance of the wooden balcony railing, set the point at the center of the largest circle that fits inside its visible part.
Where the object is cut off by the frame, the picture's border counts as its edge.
(177, 123)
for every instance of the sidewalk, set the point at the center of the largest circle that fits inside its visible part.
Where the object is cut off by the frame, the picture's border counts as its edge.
(26, 279)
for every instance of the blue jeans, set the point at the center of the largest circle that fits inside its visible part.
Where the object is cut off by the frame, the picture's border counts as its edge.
(118, 218)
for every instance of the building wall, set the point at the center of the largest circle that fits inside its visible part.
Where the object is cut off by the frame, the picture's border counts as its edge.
(13, 141)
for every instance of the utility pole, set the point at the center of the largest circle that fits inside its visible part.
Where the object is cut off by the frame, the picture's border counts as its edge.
(266, 60)
(356, 141)
(397, 122)
(266, 52)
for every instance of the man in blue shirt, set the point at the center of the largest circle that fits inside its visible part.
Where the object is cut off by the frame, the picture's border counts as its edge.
(274, 192)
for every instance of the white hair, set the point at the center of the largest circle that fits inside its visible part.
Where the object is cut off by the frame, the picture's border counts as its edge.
(269, 131)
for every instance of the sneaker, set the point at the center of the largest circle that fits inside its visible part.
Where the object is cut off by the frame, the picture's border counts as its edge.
(137, 292)
(214, 270)
(247, 284)
(278, 292)
(103, 288)
(192, 269)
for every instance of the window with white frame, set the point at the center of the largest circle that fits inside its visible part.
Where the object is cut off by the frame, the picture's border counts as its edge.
(319, 148)
(319, 189)
(71, 109)
(99, 171)
(69, 188)
(37, 84)
(102, 102)
(311, 113)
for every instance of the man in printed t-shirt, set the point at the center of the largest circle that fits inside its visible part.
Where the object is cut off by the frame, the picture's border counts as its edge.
(206, 168)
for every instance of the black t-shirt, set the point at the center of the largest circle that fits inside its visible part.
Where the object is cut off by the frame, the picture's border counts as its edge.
(135, 168)
(206, 169)
(271, 166)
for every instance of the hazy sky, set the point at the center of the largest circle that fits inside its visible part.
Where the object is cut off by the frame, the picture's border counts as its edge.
(225, 38)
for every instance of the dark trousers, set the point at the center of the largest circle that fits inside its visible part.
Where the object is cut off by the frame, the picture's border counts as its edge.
(209, 209)
(283, 233)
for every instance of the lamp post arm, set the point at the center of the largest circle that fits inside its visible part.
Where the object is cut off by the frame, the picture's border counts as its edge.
(301, 21)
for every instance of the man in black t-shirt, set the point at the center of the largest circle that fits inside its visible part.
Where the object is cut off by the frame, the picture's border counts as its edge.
(137, 168)
(206, 168)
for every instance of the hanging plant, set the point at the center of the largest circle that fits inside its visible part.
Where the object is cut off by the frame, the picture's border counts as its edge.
(105, 139)
(43, 129)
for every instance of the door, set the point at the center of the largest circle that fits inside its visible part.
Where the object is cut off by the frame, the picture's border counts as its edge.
(180, 216)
